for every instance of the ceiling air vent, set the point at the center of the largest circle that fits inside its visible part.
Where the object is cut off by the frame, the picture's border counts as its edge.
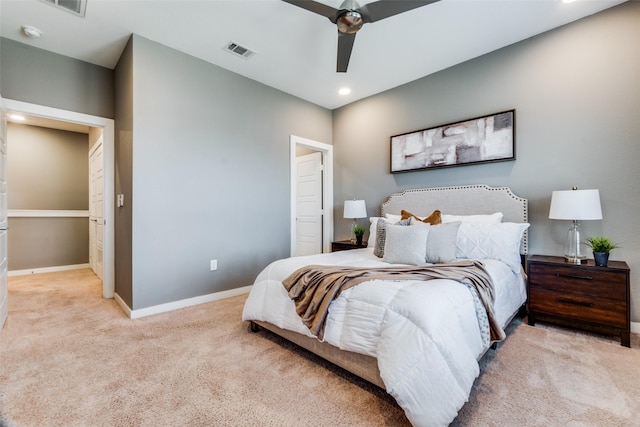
(236, 49)
(77, 7)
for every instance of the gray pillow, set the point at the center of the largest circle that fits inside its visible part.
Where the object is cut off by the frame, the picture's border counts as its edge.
(405, 245)
(381, 234)
(441, 244)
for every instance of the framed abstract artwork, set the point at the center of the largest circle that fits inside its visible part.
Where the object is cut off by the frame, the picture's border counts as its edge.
(482, 139)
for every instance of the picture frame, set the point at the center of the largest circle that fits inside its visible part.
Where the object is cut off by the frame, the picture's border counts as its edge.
(484, 139)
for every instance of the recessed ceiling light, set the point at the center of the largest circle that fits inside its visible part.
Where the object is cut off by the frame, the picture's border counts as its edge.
(344, 91)
(16, 117)
(568, 1)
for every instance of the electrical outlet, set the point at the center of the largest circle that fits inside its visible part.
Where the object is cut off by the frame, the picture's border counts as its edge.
(213, 265)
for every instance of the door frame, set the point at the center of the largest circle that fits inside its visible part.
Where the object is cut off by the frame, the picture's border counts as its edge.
(4, 227)
(108, 135)
(327, 188)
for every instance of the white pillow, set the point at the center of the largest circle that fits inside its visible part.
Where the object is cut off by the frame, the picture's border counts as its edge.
(492, 218)
(493, 241)
(405, 245)
(393, 218)
(373, 229)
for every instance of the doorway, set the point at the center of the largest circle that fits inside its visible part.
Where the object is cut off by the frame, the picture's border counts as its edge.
(321, 154)
(108, 151)
(96, 207)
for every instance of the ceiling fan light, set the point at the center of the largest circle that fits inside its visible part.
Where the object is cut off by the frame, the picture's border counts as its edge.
(16, 117)
(31, 32)
(350, 22)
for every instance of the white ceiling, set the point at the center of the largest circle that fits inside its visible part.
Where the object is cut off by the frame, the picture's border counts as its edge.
(296, 49)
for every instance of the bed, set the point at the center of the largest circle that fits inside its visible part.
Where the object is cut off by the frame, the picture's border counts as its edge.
(419, 340)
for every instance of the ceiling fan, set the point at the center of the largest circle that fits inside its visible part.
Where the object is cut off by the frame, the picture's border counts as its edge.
(350, 17)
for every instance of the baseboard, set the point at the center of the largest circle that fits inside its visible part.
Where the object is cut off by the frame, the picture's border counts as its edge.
(635, 327)
(123, 305)
(47, 269)
(176, 305)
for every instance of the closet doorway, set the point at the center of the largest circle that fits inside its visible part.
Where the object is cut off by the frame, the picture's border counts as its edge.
(311, 196)
(105, 126)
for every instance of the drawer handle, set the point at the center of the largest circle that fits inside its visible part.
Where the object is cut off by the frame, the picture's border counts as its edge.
(570, 301)
(574, 276)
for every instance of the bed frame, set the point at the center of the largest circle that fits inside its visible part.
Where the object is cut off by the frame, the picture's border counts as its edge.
(458, 200)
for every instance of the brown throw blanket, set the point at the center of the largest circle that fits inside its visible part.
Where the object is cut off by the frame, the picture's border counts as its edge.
(314, 287)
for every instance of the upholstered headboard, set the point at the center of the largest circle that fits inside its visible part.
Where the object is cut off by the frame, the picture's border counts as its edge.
(462, 200)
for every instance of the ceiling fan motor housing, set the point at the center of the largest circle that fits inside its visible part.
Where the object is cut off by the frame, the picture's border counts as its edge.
(349, 22)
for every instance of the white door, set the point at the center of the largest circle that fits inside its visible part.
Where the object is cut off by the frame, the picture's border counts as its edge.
(96, 208)
(309, 204)
(4, 283)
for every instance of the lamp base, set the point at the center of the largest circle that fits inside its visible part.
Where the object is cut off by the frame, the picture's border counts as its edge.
(574, 250)
(353, 235)
(575, 260)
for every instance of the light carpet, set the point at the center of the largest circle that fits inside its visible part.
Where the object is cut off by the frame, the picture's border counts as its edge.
(68, 357)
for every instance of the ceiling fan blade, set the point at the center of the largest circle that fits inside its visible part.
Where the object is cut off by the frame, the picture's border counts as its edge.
(315, 7)
(345, 45)
(382, 9)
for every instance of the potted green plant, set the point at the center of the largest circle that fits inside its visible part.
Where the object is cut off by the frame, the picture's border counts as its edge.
(601, 246)
(359, 232)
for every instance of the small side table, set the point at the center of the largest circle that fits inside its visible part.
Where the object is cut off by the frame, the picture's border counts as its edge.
(582, 296)
(346, 245)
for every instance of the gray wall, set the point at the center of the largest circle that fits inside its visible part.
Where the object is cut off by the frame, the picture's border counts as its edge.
(47, 242)
(44, 78)
(123, 173)
(210, 172)
(47, 169)
(576, 91)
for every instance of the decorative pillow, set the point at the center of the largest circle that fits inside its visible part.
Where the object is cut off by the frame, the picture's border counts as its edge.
(432, 219)
(405, 245)
(493, 241)
(381, 235)
(441, 244)
(492, 218)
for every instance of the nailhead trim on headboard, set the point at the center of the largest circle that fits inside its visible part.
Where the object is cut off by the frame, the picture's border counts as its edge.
(462, 200)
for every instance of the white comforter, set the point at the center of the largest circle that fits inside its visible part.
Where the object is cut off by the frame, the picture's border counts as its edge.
(425, 335)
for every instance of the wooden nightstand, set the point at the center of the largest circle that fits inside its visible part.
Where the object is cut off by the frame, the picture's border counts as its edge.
(345, 245)
(580, 295)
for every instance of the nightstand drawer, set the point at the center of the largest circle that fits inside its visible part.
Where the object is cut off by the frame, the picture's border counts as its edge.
(600, 284)
(597, 310)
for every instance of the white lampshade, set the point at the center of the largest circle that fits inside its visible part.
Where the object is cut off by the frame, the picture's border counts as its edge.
(355, 209)
(575, 205)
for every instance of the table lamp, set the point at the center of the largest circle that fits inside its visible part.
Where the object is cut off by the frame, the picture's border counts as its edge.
(354, 209)
(575, 205)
